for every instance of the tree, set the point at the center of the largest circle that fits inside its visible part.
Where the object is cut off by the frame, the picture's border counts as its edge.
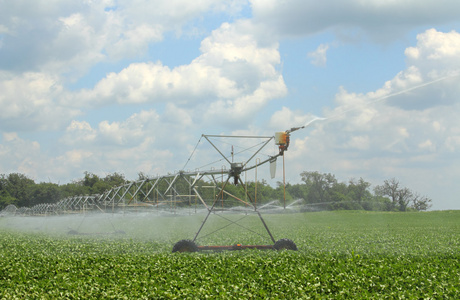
(319, 186)
(378, 203)
(281, 194)
(17, 186)
(297, 191)
(90, 179)
(401, 197)
(405, 196)
(96, 185)
(74, 188)
(141, 176)
(116, 179)
(44, 193)
(389, 188)
(359, 190)
(100, 186)
(420, 203)
(6, 199)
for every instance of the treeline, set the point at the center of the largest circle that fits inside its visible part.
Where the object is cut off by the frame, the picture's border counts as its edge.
(317, 191)
(325, 189)
(22, 191)
(322, 191)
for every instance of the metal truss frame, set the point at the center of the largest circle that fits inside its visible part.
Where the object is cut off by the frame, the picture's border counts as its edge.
(165, 191)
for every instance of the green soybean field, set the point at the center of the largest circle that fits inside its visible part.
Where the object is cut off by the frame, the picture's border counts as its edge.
(341, 255)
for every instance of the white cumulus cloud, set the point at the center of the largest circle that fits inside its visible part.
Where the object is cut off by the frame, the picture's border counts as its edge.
(319, 56)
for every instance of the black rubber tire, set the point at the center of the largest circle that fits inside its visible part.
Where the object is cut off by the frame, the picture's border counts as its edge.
(185, 246)
(285, 244)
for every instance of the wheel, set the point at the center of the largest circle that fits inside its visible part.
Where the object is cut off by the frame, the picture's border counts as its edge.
(185, 246)
(285, 244)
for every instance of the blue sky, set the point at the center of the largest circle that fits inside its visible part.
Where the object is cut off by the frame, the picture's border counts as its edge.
(130, 86)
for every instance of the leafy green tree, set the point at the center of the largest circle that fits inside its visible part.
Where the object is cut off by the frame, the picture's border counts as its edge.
(100, 186)
(341, 199)
(319, 186)
(279, 192)
(265, 193)
(94, 184)
(297, 191)
(90, 180)
(359, 190)
(115, 179)
(17, 186)
(74, 189)
(43, 193)
(6, 199)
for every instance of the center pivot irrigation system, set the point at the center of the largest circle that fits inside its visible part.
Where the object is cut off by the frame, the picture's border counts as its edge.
(234, 175)
(212, 189)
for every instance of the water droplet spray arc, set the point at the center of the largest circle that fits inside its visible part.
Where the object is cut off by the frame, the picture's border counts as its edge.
(359, 107)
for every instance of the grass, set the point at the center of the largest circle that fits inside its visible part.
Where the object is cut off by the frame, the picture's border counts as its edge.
(341, 255)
